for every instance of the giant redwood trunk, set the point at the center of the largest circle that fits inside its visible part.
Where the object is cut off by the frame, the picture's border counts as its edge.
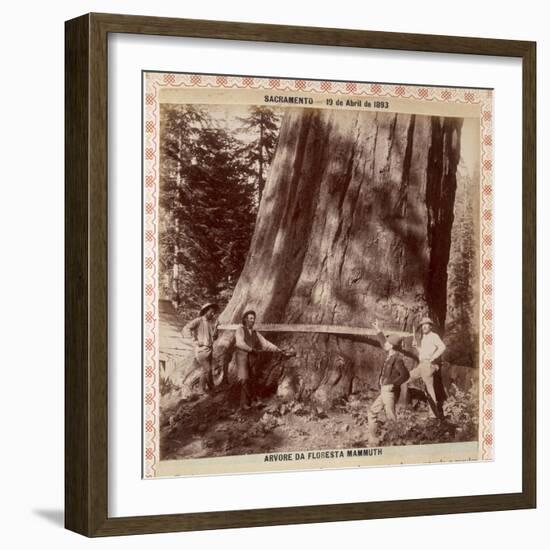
(354, 225)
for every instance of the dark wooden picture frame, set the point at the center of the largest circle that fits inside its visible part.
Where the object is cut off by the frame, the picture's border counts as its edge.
(86, 281)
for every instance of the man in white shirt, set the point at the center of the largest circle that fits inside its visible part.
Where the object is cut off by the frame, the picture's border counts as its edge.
(429, 350)
(202, 332)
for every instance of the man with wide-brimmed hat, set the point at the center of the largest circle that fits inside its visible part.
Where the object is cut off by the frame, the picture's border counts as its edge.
(248, 343)
(203, 331)
(430, 349)
(392, 374)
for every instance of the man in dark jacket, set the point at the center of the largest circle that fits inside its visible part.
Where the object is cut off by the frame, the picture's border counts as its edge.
(248, 343)
(392, 375)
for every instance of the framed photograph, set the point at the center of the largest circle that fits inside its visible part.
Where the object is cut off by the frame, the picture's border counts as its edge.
(300, 275)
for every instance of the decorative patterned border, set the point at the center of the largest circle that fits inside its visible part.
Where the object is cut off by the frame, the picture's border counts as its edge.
(153, 82)
(151, 350)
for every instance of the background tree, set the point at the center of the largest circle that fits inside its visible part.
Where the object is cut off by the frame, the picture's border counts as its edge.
(263, 124)
(461, 330)
(207, 208)
(180, 127)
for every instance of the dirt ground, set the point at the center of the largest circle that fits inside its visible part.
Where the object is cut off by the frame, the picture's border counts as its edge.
(208, 426)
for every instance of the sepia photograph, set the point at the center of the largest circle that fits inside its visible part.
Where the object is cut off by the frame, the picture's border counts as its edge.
(316, 274)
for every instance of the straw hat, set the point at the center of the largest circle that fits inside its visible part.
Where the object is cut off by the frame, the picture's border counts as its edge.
(207, 306)
(426, 321)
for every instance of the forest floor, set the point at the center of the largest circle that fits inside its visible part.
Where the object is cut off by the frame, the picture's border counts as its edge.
(209, 426)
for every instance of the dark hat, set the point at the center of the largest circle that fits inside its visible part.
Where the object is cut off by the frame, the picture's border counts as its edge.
(395, 340)
(209, 305)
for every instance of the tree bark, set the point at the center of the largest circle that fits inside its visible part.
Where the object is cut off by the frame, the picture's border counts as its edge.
(354, 225)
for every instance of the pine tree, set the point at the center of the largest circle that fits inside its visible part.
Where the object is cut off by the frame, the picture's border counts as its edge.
(207, 206)
(264, 123)
(179, 128)
(461, 331)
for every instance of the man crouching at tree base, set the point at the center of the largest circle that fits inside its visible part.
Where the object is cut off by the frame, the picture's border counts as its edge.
(203, 331)
(248, 344)
(392, 375)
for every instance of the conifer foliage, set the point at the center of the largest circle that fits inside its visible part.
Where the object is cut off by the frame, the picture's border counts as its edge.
(208, 204)
(263, 124)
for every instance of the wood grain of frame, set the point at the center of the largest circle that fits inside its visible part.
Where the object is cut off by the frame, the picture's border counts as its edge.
(86, 283)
